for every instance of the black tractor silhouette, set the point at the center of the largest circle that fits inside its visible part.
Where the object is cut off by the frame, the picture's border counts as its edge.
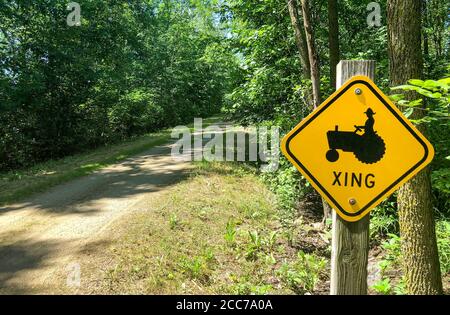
(368, 148)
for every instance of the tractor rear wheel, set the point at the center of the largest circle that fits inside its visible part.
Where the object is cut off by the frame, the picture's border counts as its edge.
(371, 150)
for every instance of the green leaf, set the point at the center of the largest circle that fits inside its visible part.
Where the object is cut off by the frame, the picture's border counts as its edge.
(445, 81)
(415, 103)
(396, 97)
(403, 87)
(408, 112)
(383, 286)
(432, 85)
(416, 82)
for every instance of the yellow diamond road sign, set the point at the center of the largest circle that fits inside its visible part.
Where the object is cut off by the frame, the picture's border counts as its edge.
(357, 148)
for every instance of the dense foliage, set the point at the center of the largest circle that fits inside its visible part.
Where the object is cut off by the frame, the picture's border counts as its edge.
(274, 87)
(131, 67)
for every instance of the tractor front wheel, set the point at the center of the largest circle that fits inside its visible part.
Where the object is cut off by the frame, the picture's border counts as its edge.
(332, 156)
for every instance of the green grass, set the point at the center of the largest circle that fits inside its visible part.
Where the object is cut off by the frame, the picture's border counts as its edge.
(19, 184)
(227, 239)
(302, 275)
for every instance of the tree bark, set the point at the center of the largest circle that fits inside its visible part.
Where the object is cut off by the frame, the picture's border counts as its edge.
(417, 227)
(426, 45)
(333, 39)
(300, 38)
(315, 75)
(313, 58)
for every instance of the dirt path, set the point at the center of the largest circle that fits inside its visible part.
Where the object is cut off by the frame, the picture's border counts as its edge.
(40, 237)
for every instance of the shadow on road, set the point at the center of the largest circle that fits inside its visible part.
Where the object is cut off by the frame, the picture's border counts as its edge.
(149, 172)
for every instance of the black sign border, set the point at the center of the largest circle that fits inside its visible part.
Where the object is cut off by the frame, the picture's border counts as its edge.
(320, 111)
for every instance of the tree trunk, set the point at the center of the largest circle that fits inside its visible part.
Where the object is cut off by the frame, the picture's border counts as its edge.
(313, 58)
(417, 226)
(333, 39)
(327, 211)
(426, 44)
(315, 75)
(300, 38)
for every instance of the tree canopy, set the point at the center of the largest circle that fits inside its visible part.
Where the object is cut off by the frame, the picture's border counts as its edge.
(131, 67)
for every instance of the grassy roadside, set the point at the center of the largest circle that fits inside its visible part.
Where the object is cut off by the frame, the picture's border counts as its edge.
(19, 184)
(219, 232)
(215, 233)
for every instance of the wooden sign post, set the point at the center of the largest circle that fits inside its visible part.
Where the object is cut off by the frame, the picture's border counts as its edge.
(350, 243)
(356, 149)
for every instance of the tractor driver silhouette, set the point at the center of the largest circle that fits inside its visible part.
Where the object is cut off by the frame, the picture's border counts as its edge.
(370, 122)
(368, 148)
